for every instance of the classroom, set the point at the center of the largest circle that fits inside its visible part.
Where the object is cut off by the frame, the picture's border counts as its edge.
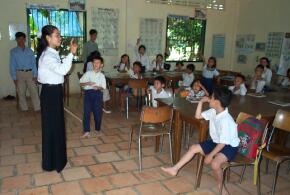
(144, 97)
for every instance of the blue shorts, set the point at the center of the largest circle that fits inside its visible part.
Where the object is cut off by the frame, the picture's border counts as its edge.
(229, 151)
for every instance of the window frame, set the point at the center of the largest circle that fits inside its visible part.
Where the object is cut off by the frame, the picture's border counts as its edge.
(84, 29)
(202, 39)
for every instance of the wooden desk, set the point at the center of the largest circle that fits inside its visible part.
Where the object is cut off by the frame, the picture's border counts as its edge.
(123, 78)
(185, 111)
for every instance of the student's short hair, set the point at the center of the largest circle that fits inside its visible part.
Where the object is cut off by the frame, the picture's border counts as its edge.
(214, 61)
(20, 34)
(222, 94)
(137, 63)
(161, 79)
(259, 66)
(194, 81)
(142, 46)
(159, 55)
(190, 67)
(179, 62)
(93, 31)
(267, 60)
(97, 58)
(241, 76)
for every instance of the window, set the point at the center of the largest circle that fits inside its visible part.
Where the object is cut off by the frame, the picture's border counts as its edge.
(185, 38)
(72, 24)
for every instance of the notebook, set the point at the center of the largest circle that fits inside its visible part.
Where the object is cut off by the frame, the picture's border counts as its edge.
(280, 103)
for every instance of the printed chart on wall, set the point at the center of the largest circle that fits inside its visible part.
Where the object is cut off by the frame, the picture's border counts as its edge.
(245, 44)
(285, 56)
(151, 34)
(106, 22)
(218, 45)
(273, 44)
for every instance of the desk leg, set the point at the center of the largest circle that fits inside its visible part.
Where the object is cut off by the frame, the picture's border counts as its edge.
(202, 137)
(113, 87)
(177, 137)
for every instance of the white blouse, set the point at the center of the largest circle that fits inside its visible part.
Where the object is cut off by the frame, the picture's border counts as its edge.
(267, 75)
(50, 68)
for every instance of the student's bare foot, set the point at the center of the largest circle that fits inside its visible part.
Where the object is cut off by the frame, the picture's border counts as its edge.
(170, 170)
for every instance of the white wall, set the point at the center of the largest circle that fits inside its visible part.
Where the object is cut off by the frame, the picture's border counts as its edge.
(240, 16)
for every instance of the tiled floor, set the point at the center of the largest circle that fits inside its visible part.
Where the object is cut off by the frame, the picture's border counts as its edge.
(100, 164)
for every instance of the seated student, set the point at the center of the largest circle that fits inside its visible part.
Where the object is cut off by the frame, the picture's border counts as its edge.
(141, 56)
(89, 67)
(197, 90)
(209, 72)
(188, 76)
(158, 64)
(124, 64)
(94, 82)
(224, 142)
(134, 73)
(239, 87)
(179, 66)
(267, 74)
(286, 81)
(157, 90)
(258, 83)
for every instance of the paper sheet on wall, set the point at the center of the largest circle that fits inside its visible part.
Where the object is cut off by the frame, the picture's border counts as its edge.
(218, 46)
(151, 35)
(284, 64)
(245, 43)
(106, 22)
(273, 44)
(14, 28)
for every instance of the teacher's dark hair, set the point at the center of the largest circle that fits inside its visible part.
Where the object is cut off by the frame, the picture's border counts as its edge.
(42, 42)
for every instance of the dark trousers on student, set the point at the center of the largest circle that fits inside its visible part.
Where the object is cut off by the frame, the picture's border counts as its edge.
(53, 128)
(93, 102)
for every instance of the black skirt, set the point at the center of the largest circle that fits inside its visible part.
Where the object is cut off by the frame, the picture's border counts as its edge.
(53, 128)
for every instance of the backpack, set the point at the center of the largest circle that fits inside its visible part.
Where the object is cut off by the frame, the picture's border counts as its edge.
(250, 132)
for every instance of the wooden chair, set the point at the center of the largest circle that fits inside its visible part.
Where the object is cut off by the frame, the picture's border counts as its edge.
(80, 76)
(154, 122)
(137, 85)
(241, 161)
(275, 152)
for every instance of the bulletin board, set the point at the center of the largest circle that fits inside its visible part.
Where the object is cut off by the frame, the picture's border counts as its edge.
(274, 44)
(218, 45)
(106, 22)
(245, 43)
(284, 63)
(151, 35)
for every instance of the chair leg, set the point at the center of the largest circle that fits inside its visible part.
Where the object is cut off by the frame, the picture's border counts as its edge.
(162, 138)
(259, 180)
(130, 141)
(275, 178)
(139, 154)
(242, 173)
(223, 181)
(187, 137)
(288, 171)
(228, 174)
(170, 148)
(267, 166)
(127, 107)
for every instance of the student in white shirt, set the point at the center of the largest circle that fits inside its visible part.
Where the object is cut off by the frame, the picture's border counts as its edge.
(124, 65)
(209, 72)
(258, 83)
(267, 74)
(188, 76)
(197, 90)
(141, 56)
(239, 87)
(286, 80)
(157, 63)
(93, 82)
(224, 142)
(51, 71)
(157, 90)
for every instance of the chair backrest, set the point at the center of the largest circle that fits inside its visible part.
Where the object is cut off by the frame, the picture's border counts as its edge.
(156, 115)
(282, 120)
(137, 83)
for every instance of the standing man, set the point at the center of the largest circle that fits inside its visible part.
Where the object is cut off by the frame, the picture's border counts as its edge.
(23, 72)
(91, 45)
